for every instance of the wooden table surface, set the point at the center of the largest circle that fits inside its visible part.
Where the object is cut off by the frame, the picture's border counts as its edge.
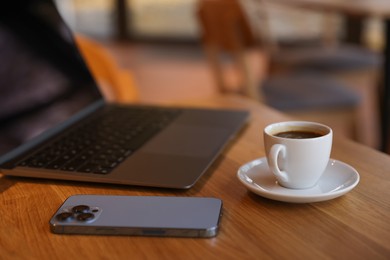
(354, 226)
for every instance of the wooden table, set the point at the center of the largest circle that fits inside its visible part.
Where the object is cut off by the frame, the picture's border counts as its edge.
(360, 9)
(353, 226)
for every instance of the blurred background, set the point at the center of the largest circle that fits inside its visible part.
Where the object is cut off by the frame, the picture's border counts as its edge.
(167, 30)
(175, 20)
(159, 42)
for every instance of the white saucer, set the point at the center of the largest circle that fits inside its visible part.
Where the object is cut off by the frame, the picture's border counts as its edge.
(338, 179)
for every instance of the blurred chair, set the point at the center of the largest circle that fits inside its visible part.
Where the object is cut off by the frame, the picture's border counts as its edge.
(306, 95)
(354, 65)
(116, 84)
(326, 53)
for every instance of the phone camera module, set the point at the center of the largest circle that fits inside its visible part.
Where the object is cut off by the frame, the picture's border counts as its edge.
(79, 213)
(64, 216)
(85, 217)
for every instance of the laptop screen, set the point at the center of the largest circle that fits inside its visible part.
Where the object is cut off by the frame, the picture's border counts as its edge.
(43, 79)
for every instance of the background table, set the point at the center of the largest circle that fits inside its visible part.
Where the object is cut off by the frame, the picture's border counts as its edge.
(356, 10)
(354, 226)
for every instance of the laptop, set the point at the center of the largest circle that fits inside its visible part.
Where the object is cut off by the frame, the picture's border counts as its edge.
(55, 124)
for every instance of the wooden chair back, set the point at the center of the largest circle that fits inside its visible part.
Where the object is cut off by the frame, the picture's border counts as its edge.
(225, 30)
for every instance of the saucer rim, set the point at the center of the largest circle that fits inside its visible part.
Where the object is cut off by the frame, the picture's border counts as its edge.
(298, 198)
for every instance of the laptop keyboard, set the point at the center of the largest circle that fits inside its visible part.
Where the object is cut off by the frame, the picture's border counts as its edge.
(102, 142)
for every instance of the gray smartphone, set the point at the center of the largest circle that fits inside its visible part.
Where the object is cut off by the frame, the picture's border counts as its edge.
(138, 215)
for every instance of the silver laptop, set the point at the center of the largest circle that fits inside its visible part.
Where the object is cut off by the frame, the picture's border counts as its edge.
(55, 124)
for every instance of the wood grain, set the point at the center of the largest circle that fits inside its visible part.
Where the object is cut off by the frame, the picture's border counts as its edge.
(354, 226)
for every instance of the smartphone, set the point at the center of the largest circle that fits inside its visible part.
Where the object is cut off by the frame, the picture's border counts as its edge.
(138, 215)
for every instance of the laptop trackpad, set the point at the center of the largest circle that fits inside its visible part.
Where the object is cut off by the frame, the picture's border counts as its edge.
(195, 141)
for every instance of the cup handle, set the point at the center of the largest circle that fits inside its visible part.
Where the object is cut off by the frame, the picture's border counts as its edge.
(276, 151)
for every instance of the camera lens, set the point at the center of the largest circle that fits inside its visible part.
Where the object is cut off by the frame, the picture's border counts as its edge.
(85, 216)
(80, 209)
(64, 216)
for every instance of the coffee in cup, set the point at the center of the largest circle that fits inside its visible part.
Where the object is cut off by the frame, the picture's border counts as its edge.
(298, 152)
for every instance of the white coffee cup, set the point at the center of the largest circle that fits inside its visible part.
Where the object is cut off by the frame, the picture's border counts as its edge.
(297, 162)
